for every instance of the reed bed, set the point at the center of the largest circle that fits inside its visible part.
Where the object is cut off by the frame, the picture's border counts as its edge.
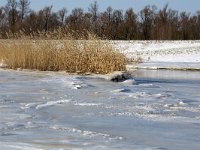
(74, 56)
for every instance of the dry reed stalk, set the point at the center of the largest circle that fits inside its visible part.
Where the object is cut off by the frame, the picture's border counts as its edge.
(71, 55)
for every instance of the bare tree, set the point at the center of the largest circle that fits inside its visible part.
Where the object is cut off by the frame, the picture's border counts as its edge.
(109, 12)
(185, 25)
(106, 23)
(2, 17)
(130, 24)
(93, 9)
(24, 8)
(146, 16)
(12, 14)
(75, 20)
(47, 14)
(117, 21)
(3, 22)
(149, 24)
(62, 14)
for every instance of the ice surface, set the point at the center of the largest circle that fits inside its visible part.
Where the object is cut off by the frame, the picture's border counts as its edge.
(52, 103)
(152, 110)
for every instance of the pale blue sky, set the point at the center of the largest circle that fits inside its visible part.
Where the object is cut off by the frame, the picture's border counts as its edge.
(181, 5)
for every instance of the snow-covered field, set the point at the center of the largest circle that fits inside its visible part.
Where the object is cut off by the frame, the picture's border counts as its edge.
(162, 54)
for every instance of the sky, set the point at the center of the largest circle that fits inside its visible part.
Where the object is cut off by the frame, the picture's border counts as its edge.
(181, 5)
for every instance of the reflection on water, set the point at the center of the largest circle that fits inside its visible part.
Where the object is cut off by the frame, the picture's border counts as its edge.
(161, 110)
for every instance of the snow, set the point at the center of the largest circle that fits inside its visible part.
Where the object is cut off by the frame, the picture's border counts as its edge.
(2, 63)
(161, 54)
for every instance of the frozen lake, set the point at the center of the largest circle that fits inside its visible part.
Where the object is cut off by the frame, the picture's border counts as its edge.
(51, 111)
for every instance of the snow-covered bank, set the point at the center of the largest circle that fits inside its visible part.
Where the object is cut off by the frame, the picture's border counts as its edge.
(162, 54)
(166, 65)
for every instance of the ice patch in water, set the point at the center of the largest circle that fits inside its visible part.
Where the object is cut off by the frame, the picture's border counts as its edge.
(150, 112)
(70, 82)
(169, 105)
(87, 133)
(129, 82)
(128, 93)
(179, 103)
(78, 85)
(87, 104)
(121, 90)
(190, 109)
(161, 95)
(124, 114)
(18, 146)
(4, 101)
(14, 126)
(138, 95)
(52, 103)
(7, 134)
(29, 105)
(149, 85)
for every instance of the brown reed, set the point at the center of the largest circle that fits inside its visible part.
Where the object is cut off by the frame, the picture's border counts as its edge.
(75, 56)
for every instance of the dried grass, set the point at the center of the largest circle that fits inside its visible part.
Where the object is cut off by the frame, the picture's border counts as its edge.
(74, 56)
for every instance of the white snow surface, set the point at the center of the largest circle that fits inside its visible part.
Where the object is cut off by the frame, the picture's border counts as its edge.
(2, 63)
(162, 54)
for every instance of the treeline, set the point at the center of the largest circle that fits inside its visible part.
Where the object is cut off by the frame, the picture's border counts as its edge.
(151, 23)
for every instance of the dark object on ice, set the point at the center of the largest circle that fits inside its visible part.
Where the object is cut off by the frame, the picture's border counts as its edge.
(120, 76)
